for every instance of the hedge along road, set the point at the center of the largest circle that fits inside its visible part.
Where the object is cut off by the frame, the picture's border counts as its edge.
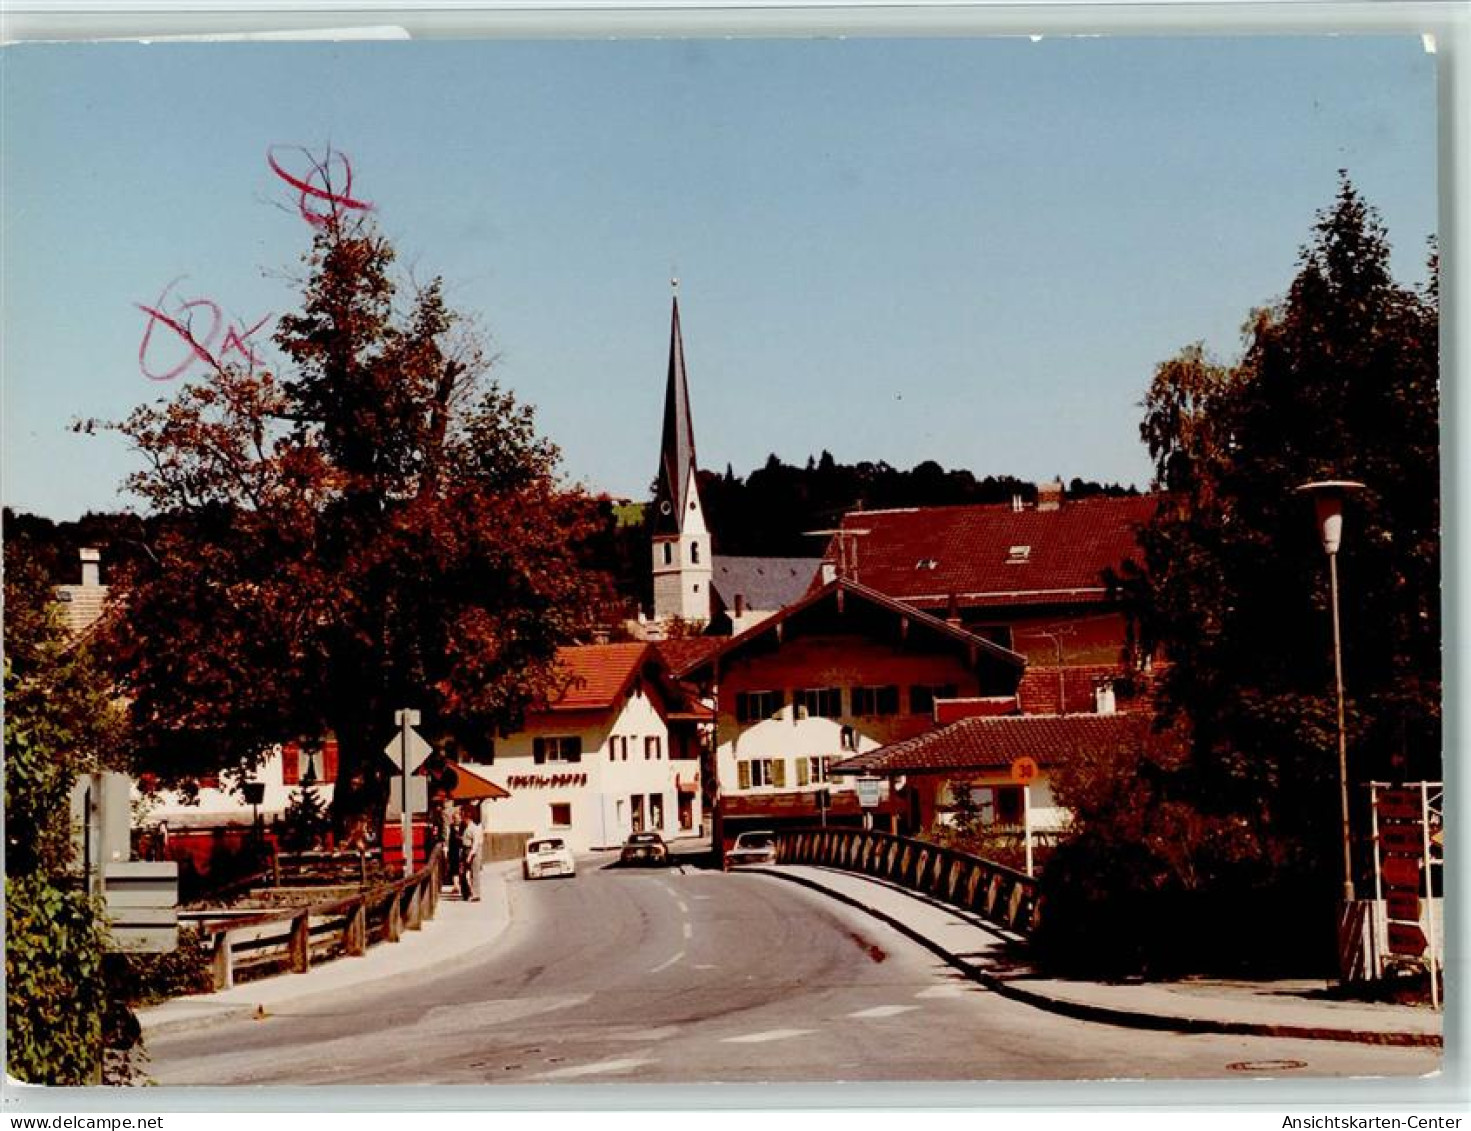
(683, 976)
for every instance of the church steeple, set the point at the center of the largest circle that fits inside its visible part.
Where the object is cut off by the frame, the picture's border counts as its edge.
(682, 564)
(677, 448)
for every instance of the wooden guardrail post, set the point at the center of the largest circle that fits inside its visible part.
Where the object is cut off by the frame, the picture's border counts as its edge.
(395, 918)
(275, 866)
(413, 918)
(301, 943)
(222, 961)
(355, 934)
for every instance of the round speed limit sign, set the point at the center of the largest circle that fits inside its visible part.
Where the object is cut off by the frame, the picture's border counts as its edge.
(1024, 770)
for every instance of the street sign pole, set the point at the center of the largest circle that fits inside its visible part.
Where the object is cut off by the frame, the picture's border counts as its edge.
(1027, 822)
(1430, 931)
(406, 718)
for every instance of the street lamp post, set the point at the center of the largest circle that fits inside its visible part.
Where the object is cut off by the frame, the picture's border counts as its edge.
(1328, 496)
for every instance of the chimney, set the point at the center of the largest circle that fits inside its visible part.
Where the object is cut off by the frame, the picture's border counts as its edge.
(1104, 702)
(952, 611)
(91, 568)
(740, 605)
(1049, 495)
(1016, 503)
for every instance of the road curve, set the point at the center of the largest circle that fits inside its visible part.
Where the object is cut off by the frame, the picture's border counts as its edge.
(690, 976)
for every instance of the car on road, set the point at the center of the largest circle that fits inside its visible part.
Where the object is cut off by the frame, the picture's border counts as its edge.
(644, 850)
(756, 847)
(548, 856)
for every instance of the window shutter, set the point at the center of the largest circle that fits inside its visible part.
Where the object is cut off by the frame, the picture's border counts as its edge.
(743, 774)
(291, 763)
(779, 771)
(572, 748)
(329, 760)
(802, 775)
(538, 750)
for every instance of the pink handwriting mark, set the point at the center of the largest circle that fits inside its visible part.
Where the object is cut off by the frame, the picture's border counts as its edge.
(236, 339)
(316, 185)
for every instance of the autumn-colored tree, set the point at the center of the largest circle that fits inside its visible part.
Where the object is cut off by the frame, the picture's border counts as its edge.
(377, 526)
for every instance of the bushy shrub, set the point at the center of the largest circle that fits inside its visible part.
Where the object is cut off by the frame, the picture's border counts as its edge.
(54, 995)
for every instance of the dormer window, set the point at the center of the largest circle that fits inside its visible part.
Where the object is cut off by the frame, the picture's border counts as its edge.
(926, 563)
(1018, 555)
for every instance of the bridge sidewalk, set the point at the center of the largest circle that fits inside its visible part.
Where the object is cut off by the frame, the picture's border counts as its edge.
(990, 955)
(458, 930)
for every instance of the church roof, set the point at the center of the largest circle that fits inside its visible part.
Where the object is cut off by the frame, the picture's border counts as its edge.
(677, 448)
(763, 584)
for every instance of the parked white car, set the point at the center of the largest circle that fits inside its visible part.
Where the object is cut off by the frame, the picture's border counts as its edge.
(548, 856)
(756, 847)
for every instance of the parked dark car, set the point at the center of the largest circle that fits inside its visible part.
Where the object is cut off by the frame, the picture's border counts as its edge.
(645, 850)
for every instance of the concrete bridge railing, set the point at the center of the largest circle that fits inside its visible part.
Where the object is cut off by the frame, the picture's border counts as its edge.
(999, 894)
(299, 936)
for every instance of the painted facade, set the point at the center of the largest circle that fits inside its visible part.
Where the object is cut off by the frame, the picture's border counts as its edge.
(594, 777)
(842, 672)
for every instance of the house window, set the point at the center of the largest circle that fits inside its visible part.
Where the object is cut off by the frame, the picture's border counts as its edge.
(652, 748)
(753, 706)
(819, 702)
(756, 772)
(922, 696)
(656, 811)
(556, 748)
(998, 804)
(848, 739)
(636, 807)
(813, 770)
(561, 815)
(876, 700)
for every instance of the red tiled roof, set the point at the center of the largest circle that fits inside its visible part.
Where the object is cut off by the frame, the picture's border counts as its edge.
(994, 743)
(839, 591)
(597, 675)
(687, 650)
(992, 555)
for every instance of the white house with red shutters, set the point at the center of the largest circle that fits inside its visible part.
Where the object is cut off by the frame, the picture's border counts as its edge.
(288, 768)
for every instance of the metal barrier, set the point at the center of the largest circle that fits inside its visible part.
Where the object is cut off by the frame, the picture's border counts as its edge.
(299, 936)
(998, 893)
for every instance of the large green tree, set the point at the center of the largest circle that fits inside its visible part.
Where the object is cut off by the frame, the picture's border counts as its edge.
(1338, 381)
(376, 526)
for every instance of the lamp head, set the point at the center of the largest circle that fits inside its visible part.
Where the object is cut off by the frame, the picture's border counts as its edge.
(1328, 496)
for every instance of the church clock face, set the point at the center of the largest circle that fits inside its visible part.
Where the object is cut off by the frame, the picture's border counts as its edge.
(664, 507)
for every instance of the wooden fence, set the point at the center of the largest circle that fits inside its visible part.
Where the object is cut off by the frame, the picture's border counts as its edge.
(298, 936)
(998, 893)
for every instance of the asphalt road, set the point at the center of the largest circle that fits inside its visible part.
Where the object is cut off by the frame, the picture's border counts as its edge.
(689, 976)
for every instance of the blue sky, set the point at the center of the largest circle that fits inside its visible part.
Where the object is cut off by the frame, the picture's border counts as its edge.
(968, 250)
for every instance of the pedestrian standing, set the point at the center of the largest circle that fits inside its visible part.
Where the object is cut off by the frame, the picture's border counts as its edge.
(470, 849)
(452, 849)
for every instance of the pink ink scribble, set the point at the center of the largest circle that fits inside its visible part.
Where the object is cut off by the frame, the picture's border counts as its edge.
(322, 199)
(196, 347)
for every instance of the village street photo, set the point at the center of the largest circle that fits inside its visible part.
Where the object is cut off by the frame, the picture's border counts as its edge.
(724, 562)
